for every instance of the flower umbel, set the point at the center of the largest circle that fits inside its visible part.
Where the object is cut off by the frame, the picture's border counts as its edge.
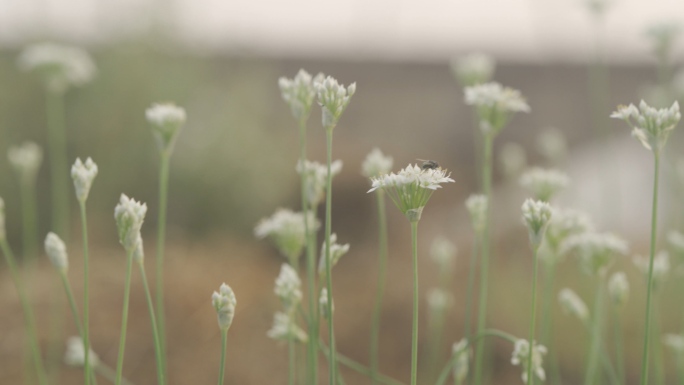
(650, 125)
(75, 353)
(333, 99)
(495, 105)
(288, 286)
(26, 159)
(565, 223)
(596, 251)
(536, 216)
(60, 66)
(411, 188)
(299, 93)
(286, 230)
(224, 303)
(618, 288)
(166, 120)
(316, 177)
(336, 252)
(129, 216)
(56, 252)
(83, 175)
(521, 354)
(542, 183)
(571, 303)
(473, 69)
(284, 328)
(376, 164)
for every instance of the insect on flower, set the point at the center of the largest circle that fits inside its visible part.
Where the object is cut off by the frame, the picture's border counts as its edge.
(429, 164)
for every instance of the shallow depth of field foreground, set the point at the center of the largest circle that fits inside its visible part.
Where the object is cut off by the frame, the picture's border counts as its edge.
(207, 195)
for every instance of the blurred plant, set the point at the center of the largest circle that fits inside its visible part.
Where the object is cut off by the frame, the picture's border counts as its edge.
(26, 160)
(477, 208)
(224, 303)
(543, 183)
(376, 164)
(618, 290)
(288, 289)
(473, 69)
(286, 229)
(552, 145)
(337, 251)
(462, 352)
(495, 106)
(315, 175)
(29, 319)
(532, 363)
(663, 36)
(652, 127)
(572, 304)
(675, 342)
(439, 301)
(513, 159)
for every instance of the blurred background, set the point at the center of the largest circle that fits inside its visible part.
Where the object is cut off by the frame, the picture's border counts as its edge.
(234, 162)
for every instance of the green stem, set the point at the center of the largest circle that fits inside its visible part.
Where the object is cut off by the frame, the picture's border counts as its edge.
(484, 264)
(222, 365)
(59, 171)
(619, 347)
(161, 237)
(28, 312)
(29, 220)
(357, 367)
(312, 349)
(596, 337)
(657, 349)
(414, 331)
(328, 264)
(124, 319)
(546, 322)
(470, 288)
(86, 295)
(161, 379)
(533, 315)
(382, 272)
(292, 354)
(108, 373)
(647, 327)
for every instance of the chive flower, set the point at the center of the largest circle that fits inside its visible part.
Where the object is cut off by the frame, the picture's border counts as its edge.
(411, 188)
(595, 250)
(224, 303)
(572, 304)
(83, 175)
(299, 93)
(285, 329)
(661, 267)
(285, 229)
(521, 352)
(495, 105)
(650, 125)
(333, 99)
(129, 215)
(462, 352)
(59, 66)
(477, 208)
(75, 353)
(618, 288)
(26, 160)
(565, 223)
(56, 252)
(337, 251)
(543, 184)
(536, 216)
(166, 120)
(376, 164)
(473, 69)
(438, 300)
(443, 252)
(288, 286)
(326, 311)
(316, 178)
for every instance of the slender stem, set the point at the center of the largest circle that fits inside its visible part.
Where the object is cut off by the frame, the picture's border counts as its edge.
(470, 288)
(86, 295)
(657, 349)
(382, 267)
(292, 354)
(108, 373)
(328, 264)
(222, 365)
(619, 346)
(29, 221)
(414, 332)
(533, 315)
(484, 264)
(649, 292)
(357, 367)
(28, 312)
(59, 171)
(161, 379)
(312, 349)
(124, 319)
(546, 321)
(596, 337)
(161, 237)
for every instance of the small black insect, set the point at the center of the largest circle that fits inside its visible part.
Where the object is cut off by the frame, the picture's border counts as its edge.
(429, 164)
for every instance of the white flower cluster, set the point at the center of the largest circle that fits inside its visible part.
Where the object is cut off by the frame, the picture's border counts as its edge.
(473, 69)
(495, 104)
(571, 303)
(565, 223)
(166, 120)
(336, 252)
(75, 353)
(412, 187)
(536, 216)
(56, 252)
(650, 125)
(316, 175)
(443, 252)
(376, 164)
(129, 215)
(286, 230)
(462, 353)
(299, 93)
(674, 342)
(60, 66)
(618, 288)
(284, 328)
(288, 286)
(661, 266)
(543, 183)
(83, 175)
(520, 356)
(333, 99)
(477, 207)
(26, 159)
(513, 159)
(596, 250)
(224, 303)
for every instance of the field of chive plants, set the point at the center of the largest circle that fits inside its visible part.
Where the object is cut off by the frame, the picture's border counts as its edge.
(221, 237)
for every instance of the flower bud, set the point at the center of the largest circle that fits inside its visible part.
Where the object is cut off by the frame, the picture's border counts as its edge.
(75, 353)
(224, 303)
(536, 216)
(56, 252)
(166, 120)
(333, 99)
(288, 286)
(462, 353)
(129, 216)
(571, 303)
(83, 175)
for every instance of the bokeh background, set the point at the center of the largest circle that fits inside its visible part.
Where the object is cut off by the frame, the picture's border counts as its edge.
(234, 163)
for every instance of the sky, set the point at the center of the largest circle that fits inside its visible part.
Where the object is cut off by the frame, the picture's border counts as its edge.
(413, 30)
